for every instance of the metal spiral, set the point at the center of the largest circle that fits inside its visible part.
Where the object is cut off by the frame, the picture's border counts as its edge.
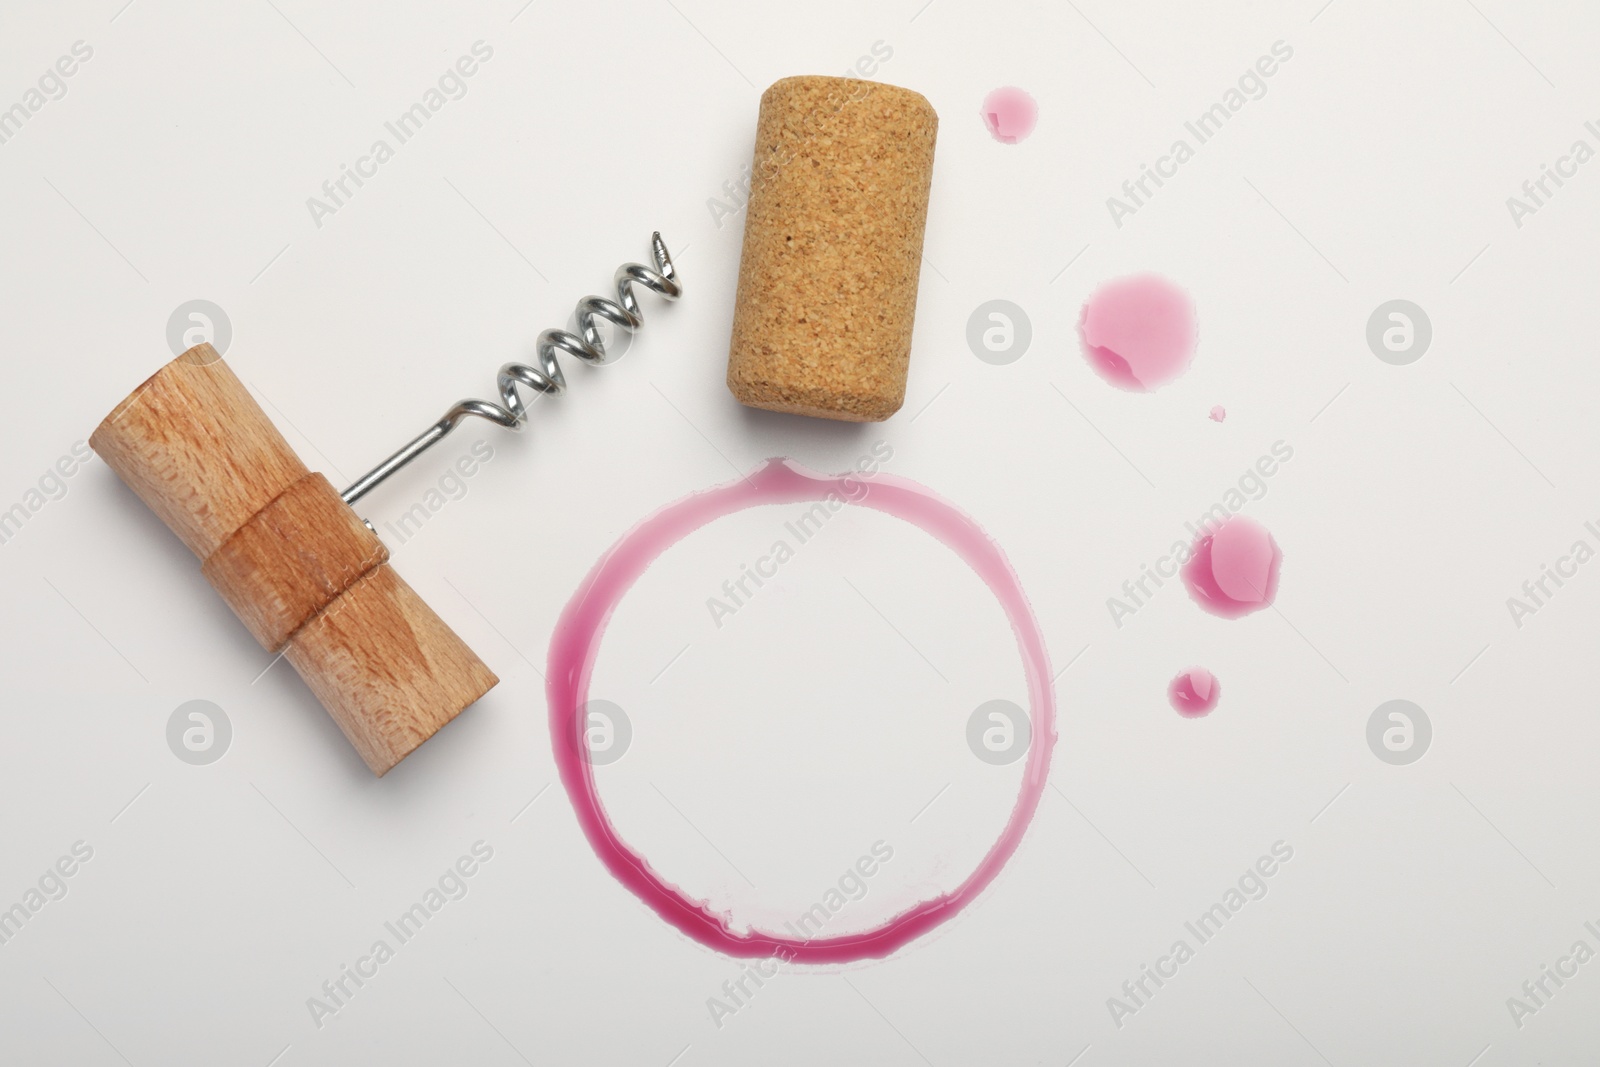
(587, 345)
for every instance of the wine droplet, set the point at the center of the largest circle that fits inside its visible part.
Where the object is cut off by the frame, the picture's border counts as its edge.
(1138, 332)
(1194, 692)
(1010, 114)
(1234, 568)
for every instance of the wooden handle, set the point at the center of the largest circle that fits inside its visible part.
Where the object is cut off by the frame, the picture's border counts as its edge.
(300, 569)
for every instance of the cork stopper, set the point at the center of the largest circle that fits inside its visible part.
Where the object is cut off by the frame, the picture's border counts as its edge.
(832, 248)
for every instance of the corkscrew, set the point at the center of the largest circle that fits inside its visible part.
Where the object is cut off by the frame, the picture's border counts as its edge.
(306, 576)
(546, 378)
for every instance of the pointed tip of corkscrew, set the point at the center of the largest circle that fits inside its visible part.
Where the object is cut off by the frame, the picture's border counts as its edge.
(658, 248)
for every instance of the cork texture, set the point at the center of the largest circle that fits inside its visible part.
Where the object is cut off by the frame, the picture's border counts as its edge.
(832, 248)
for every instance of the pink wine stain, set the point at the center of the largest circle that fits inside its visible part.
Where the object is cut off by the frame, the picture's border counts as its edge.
(1218, 413)
(1234, 568)
(576, 643)
(1138, 332)
(1010, 113)
(1194, 692)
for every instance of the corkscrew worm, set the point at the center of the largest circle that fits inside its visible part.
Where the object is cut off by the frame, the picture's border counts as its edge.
(587, 345)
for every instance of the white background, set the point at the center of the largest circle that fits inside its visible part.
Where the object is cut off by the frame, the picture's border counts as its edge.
(771, 753)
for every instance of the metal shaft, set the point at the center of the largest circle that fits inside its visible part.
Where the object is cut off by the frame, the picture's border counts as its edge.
(587, 345)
